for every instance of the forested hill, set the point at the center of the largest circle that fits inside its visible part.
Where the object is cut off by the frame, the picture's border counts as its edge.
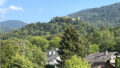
(55, 26)
(105, 15)
(8, 25)
(107, 38)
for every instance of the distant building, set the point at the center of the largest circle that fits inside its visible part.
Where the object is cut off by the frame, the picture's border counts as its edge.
(102, 60)
(73, 19)
(78, 18)
(53, 57)
(66, 17)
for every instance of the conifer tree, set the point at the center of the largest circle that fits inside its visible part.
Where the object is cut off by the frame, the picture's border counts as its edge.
(117, 62)
(70, 44)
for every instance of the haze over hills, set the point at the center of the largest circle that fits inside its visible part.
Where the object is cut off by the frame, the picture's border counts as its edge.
(104, 15)
(10, 25)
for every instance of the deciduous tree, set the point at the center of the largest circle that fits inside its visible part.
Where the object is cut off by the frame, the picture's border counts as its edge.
(76, 62)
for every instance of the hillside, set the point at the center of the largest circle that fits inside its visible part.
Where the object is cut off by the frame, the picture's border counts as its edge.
(105, 15)
(10, 25)
(106, 38)
(55, 26)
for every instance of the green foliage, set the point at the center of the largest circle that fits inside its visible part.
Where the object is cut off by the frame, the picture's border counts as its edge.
(98, 37)
(70, 44)
(107, 45)
(41, 37)
(41, 43)
(55, 26)
(93, 48)
(76, 62)
(21, 54)
(105, 15)
(117, 46)
(105, 39)
(38, 56)
(54, 43)
(117, 65)
(20, 61)
(49, 66)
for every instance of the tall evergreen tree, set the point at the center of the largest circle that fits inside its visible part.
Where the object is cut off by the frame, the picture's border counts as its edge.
(70, 44)
(117, 62)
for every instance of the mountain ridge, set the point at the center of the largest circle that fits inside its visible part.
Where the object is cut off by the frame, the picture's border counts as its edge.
(104, 15)
(10, 25)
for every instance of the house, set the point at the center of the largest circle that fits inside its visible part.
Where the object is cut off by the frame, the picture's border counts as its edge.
(102, 60)
(53, 57)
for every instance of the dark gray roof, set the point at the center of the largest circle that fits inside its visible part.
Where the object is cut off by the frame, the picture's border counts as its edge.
(99, 57)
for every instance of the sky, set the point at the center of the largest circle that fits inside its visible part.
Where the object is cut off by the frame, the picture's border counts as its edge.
(31, 11)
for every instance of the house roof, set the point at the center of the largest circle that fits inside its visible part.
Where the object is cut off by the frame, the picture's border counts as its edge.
(99, 57)
(52, 55)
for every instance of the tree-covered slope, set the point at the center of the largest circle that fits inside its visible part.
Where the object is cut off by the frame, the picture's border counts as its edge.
(55, 26)
(10, 25)
(105, 15)
(106, 38)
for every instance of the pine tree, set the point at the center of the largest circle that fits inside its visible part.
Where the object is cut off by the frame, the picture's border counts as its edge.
(70, 44)
(117, 62)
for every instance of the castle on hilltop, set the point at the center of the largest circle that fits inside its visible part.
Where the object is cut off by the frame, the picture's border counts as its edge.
(78, 18)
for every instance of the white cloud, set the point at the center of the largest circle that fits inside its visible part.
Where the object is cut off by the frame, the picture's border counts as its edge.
(11, 7)
(2, 2)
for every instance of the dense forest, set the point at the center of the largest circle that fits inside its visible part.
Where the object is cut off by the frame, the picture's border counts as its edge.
(26, 47)
(106, 15)
(55, 26)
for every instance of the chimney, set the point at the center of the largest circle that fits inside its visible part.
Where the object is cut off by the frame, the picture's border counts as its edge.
(106, 52)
